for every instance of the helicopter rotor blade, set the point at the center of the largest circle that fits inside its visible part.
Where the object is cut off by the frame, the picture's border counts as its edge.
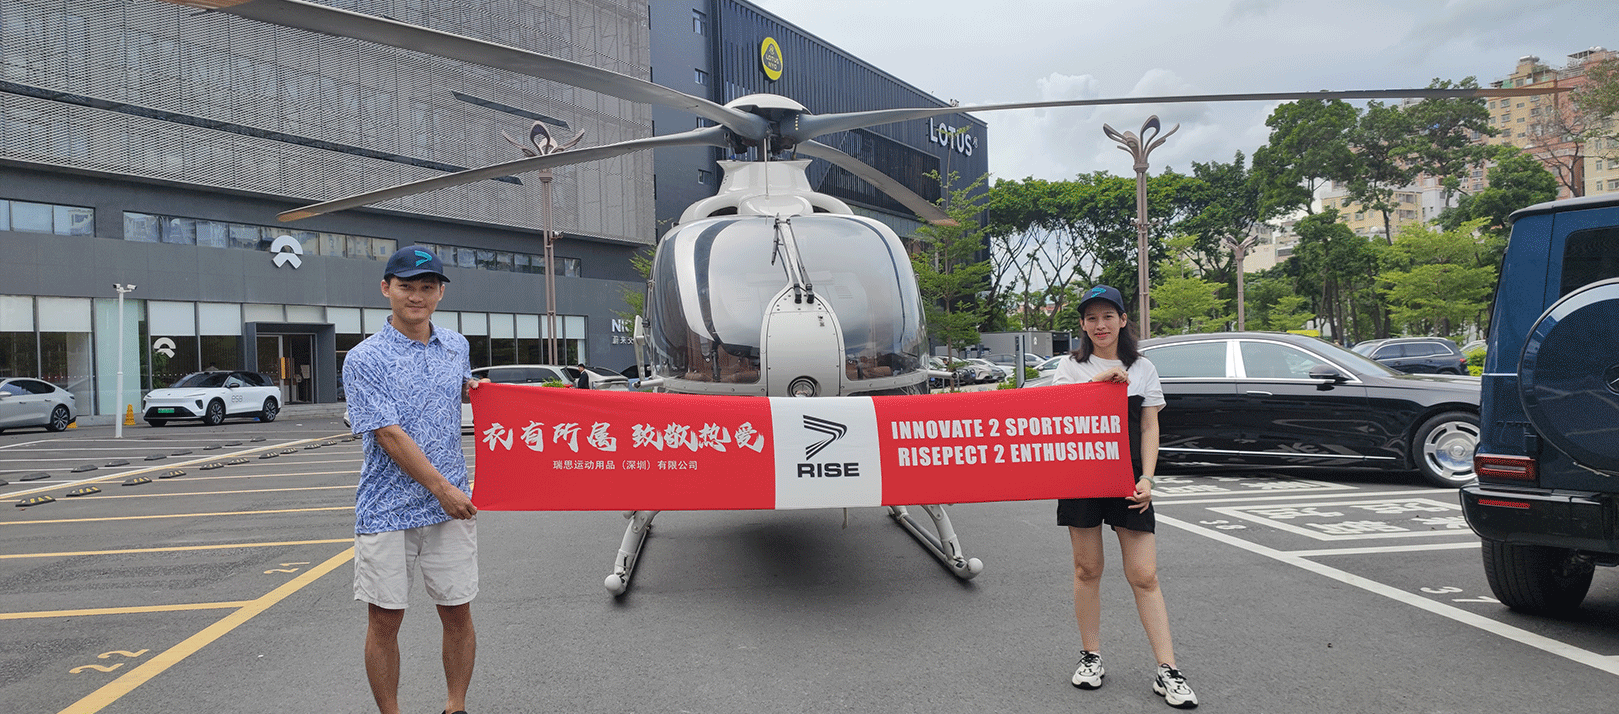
(383, 31)
(810, 126)
(896, 190)
(707, 136)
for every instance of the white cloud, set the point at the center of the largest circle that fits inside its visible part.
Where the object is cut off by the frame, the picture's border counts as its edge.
(1056, 49)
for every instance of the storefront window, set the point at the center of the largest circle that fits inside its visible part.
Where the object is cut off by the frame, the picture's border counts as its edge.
(19, 350)
(64, 345)
(213, 234)
(221, 351)
(74, 221)
(180, 231)
(30, 217)
(141, 227)
(247, 237)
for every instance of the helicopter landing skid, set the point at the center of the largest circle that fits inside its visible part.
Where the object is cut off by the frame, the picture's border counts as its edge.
(629, 551)
(944, 546)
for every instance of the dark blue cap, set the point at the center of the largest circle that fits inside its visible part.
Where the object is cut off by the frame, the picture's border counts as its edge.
(413, 261)
(1103, 292)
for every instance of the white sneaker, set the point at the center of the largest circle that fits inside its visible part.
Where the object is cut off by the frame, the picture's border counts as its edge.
(1090, 672)
(1173, 688)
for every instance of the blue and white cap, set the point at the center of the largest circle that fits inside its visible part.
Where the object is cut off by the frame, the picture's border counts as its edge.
(1103, 292)
(413, 261)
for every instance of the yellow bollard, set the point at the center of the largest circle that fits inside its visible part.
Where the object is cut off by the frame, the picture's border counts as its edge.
(129, 415)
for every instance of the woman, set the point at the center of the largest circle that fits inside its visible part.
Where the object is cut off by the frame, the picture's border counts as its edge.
(1107, 353)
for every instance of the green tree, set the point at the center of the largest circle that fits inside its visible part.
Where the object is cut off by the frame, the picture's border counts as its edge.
(1273, 301)
(1598, 100)
(1383, 145)
(1289, 312)
(635, 297)
(1308, 146)
(951, 270)
(1437, 282)
(1184, 302)
(1517, 180)
(1335, 266)
(1442, 134)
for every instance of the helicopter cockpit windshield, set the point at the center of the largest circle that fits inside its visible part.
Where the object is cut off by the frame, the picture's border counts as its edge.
(714, 281)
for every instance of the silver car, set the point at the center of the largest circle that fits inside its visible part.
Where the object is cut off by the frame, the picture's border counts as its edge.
(35, 402)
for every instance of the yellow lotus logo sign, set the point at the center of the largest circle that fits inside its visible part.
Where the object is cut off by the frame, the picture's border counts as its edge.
(770, 58)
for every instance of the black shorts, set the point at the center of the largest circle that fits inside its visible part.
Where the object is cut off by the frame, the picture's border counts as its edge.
(1092, 512)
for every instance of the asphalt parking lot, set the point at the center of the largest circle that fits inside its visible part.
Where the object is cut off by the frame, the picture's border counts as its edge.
(228, 589)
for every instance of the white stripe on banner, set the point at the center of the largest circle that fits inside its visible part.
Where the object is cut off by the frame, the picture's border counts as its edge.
(826, 452)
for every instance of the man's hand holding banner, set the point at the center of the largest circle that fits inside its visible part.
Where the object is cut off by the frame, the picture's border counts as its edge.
(547, 449)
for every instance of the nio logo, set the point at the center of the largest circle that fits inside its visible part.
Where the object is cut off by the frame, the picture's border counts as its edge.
(770, 58)
(163, 346)
(286, 249)
(832, 429)
(1611, 376)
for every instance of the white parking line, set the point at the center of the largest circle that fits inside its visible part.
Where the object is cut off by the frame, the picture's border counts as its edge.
(1171, 498)
(1380, 549)
(1541, 642)
(25, 443)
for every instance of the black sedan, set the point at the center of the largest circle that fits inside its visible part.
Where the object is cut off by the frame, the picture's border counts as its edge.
(1264, 398)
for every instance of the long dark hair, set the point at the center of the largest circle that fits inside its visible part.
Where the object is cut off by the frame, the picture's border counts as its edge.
(1127, 344)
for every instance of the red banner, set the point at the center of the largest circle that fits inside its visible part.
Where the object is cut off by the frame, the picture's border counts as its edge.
(547, 449)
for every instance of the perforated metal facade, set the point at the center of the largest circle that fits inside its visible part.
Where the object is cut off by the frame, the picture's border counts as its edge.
(151, 90)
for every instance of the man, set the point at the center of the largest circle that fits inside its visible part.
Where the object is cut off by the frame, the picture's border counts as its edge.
(413, 510)
(582, 381)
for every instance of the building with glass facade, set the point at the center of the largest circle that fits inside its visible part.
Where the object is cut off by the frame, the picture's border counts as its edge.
(148, 144)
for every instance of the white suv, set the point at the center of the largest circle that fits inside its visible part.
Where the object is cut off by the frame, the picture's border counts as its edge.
(212, 396)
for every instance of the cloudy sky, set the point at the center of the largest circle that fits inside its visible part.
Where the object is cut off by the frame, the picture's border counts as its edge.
(991, 52)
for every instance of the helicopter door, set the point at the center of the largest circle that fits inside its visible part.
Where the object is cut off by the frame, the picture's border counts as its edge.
(802, 341)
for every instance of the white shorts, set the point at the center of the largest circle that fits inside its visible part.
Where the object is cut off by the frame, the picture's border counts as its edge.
(446, 554)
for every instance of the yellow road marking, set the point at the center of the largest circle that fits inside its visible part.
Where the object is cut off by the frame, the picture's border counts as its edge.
(112, 691)
(124, 610)
(177, 548)
(176, 515)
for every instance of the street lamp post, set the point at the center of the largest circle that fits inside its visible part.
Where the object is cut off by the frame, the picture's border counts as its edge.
(1138, 147)
(1239, 251)
(118, 419)
(544, 145)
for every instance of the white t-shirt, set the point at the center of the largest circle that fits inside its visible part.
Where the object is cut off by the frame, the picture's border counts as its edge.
(1143, 376)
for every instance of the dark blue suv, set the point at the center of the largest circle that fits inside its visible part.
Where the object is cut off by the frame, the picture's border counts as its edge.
(1547, 499)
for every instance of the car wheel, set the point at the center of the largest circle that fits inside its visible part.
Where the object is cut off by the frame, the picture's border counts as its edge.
(1448, 371)
(59, 419)
(1443, 448)
(215, 415)
(157, 422)
(1537, 579)
(270, 410)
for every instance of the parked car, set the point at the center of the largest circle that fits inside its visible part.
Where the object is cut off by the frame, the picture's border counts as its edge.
(1007, 359)
(960, 373)
(28, 402)
(212, 397)
(1548, 463)
(1266, 398)
(1047, 370)
(540, 374)
(987, 371)
(1416, 355)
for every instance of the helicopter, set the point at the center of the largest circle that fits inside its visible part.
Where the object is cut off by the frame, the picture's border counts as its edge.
(768, 288)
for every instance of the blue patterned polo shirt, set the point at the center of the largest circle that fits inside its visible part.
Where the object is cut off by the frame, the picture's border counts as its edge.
(392, 379)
